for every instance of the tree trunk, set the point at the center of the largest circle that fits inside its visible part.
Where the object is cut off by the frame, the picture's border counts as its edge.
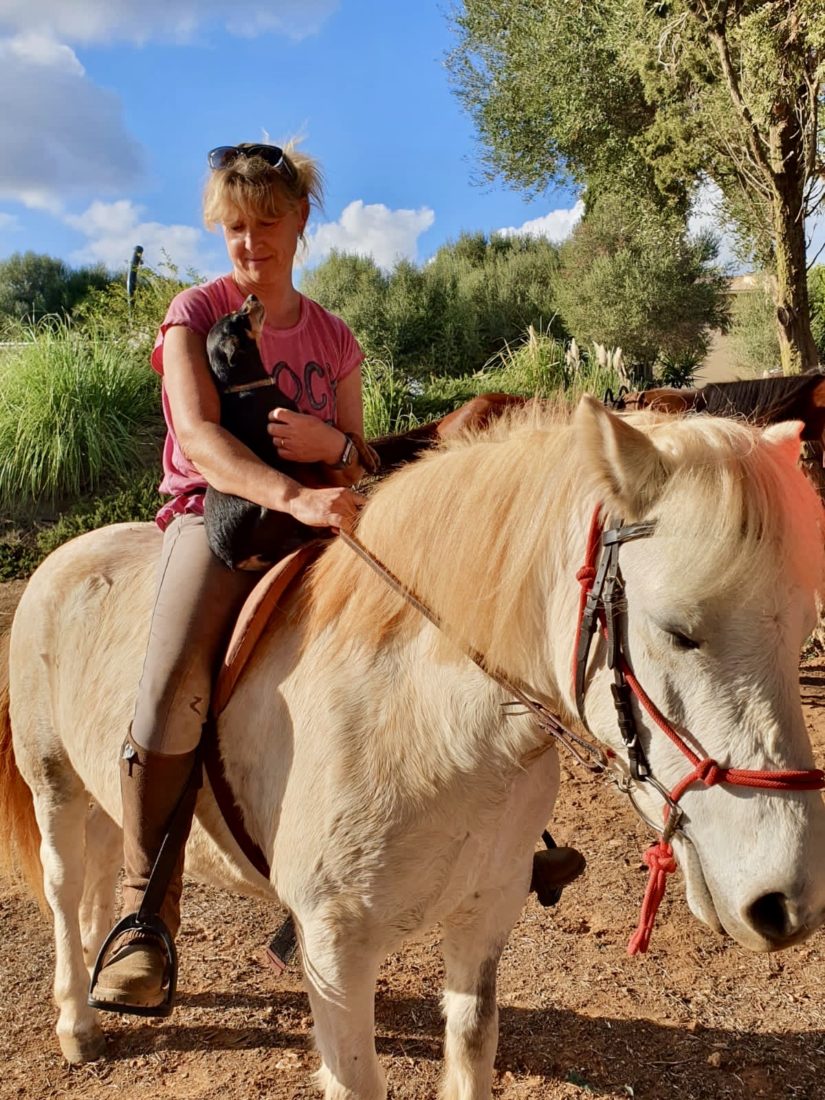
(798, 351)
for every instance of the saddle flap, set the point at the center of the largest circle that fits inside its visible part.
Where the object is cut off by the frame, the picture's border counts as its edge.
(254, 617)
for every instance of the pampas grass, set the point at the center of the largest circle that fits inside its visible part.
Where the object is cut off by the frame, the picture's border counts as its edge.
(77, 410)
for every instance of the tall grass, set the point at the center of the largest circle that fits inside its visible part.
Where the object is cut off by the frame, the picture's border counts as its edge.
(386, 399)
(77, 411)
(540, 366)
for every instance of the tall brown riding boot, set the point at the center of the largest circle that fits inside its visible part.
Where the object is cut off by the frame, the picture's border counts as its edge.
(136, 974)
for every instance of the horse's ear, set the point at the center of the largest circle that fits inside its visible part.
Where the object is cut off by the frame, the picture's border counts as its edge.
(787, 437)
(629, 471)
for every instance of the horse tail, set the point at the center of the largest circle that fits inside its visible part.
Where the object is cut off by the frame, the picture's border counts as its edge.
(19, 834)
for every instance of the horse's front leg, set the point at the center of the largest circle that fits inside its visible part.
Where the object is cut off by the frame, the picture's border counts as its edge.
(472, 942)
(340, 973)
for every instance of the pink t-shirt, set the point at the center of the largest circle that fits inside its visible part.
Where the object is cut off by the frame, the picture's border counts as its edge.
(308, 360)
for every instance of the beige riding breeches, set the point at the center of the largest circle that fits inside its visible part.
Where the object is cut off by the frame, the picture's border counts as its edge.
(198, 599)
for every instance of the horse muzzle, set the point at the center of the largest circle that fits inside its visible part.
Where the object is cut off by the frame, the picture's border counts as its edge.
(781, 921)
(770, 920)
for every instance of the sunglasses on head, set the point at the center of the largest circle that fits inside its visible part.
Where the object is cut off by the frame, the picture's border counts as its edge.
(224, 155)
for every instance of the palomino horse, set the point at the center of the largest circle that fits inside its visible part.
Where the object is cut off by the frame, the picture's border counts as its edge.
(378, 767)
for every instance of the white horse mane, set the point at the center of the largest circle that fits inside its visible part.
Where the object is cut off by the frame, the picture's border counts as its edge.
(468, 527)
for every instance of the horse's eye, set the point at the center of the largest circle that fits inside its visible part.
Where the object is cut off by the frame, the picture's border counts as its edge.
(682, 641)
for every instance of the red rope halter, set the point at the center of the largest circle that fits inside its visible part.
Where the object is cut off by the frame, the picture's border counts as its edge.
(659, 856)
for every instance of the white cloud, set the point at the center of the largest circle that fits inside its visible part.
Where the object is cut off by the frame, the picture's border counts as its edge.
(112, 229)
(64, 136)
(42, 50)
(89, 21)
(555, 226)
(371, 230)
(8, 223)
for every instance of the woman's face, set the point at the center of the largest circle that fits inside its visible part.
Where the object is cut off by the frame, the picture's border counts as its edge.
(262, 251)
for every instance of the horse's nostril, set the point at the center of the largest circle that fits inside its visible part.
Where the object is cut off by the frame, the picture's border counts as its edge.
(769, 915)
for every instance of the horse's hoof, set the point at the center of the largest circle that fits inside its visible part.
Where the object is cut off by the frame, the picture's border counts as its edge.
(87, 1047)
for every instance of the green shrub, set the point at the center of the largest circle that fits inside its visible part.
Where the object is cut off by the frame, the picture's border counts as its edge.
(107, 312)
(448, 317)
(439, 396)
(816, 296)
(539, 366)
(677, 371)
(78, 410)
(753, 333)
(35, 286)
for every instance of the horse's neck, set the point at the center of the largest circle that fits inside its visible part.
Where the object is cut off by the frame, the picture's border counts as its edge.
(410, 719)
(418, 721)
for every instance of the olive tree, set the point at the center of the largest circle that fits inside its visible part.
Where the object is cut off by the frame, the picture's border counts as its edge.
(654, 97)
(632, 277)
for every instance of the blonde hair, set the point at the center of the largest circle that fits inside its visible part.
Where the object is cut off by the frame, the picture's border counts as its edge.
(250, 186)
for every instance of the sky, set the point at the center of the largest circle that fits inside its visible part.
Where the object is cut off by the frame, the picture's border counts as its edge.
(108, 108)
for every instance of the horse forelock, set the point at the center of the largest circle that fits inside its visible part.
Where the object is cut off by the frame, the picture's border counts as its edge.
(481, 529)
(735, 510)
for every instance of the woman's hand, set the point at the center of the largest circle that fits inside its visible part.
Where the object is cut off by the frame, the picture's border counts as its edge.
(336, 507)
(303, 438)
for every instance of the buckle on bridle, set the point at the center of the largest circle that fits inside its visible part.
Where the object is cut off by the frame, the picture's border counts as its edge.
(636, 758)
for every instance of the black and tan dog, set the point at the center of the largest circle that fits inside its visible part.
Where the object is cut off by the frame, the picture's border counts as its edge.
(240, 533)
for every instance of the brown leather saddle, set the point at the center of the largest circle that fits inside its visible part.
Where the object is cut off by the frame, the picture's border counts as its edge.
(255, 615)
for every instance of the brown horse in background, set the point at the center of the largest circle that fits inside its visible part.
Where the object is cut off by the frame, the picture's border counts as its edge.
(759, 400)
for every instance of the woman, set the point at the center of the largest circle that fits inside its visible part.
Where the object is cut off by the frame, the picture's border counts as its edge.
(261, 196)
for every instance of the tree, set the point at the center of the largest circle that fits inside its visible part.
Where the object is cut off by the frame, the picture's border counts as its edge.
(630, 276)
(653, 97)
(355, 288)
(449, 316)
(107, 310)
(33, 285)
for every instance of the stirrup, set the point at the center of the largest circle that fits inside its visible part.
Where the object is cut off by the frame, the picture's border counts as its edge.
(154, 927)
(549, 893)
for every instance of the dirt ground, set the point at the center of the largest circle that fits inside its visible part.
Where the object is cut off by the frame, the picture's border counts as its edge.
(698, 1018)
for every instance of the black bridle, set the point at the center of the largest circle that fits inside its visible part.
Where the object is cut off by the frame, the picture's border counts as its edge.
(605, 603)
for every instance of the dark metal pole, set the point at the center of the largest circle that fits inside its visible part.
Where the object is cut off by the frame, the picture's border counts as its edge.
(131, 278)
